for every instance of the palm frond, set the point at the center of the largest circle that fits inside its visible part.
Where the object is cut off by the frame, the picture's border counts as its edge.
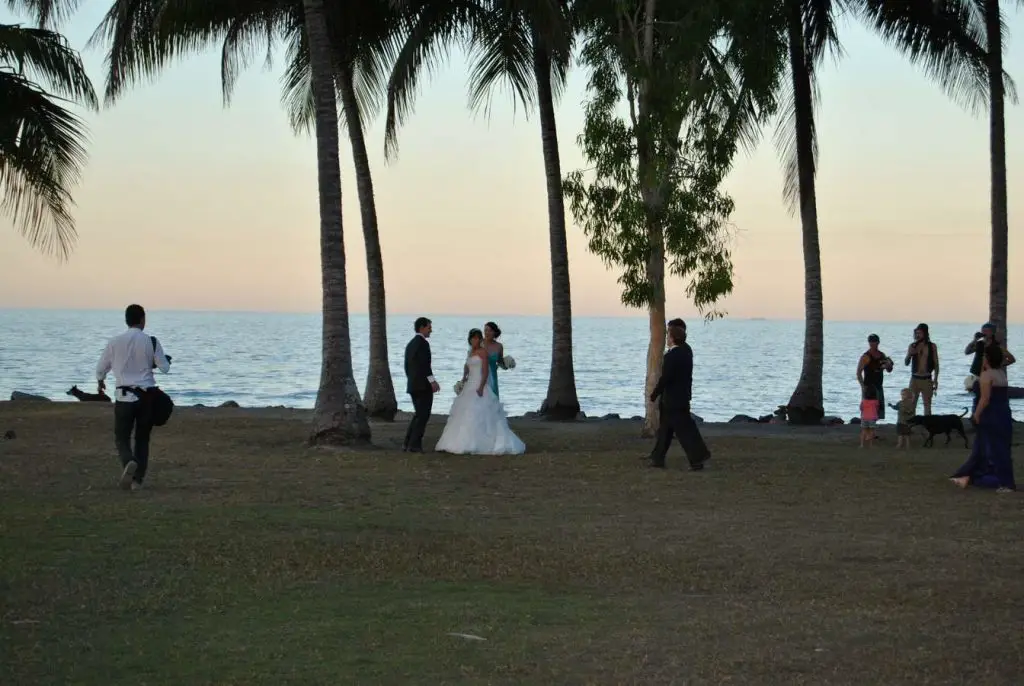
(248, 34)
(46, 58)
(785, 137)
(297, 82)
(48, 14)
(501, 51)
(42, 152)
(144, 36)
(946, 39)
(435, 25)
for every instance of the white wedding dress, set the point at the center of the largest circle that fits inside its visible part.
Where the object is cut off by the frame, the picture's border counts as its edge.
(477, 424)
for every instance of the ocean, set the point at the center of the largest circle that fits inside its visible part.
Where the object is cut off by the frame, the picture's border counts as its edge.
(261, 360)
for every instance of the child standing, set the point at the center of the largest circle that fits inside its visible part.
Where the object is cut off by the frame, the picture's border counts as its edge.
(868, 415)
(905, 411)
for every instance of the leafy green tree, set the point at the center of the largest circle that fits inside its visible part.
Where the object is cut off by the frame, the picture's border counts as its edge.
(696, 86)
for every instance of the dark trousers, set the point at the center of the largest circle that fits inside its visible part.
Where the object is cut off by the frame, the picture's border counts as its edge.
(129, 417)
(680, 424)
(422, 402)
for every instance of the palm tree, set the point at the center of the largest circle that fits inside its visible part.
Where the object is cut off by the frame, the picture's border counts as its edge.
(935, 39)
(144, 35)
(42, 143)
(982, 22)
(526, 44)
(363, 42)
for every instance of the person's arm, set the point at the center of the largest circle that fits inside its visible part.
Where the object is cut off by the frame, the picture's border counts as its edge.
(686, 370)
(421, 360)
(983, 397)
(910, 355)
(666, 373)
(103, 368)
(860, 368)
(935, 379)
(485, 371)
(501, 356)
(430, 372)
(162, 363)
(972, 347)
(1008, 358)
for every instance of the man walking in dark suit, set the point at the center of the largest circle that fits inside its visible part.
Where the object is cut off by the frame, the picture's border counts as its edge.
(420, 384)
(674, 389)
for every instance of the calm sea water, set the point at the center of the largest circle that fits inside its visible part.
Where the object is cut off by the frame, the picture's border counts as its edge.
(742, 366)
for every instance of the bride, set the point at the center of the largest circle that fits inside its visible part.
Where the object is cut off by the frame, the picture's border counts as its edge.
(477, 424)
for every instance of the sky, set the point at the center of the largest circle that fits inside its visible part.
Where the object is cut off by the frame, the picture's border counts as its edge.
(188, 204)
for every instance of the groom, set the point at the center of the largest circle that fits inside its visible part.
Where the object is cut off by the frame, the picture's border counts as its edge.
(420, 385)
(674, 389)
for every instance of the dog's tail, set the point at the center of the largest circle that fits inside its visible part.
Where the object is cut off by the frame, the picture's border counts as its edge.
(964, 413)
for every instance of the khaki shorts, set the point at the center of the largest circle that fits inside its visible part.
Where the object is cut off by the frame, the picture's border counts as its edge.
(921, 387)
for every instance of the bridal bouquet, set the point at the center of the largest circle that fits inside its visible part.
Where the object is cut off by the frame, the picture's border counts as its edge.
(459, 385)
(508, 362)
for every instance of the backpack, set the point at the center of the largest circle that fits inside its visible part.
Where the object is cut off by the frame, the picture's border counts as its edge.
(160, 404)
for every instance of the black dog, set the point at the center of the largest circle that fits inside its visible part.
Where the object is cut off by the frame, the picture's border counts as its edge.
(89, 397)
(936, 424)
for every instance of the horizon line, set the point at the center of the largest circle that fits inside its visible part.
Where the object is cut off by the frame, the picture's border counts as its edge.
(492, 315)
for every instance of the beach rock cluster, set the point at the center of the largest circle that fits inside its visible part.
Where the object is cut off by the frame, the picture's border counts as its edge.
(18, 396)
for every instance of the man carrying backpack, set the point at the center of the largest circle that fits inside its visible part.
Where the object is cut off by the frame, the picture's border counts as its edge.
(138, 403)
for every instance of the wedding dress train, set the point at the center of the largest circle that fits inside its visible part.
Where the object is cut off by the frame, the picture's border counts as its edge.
(477, 424)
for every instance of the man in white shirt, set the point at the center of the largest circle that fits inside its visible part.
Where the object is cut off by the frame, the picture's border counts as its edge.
(131, 356)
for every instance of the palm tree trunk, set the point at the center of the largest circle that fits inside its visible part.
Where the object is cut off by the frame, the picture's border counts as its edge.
(561, 402)
(998, 277)
(379, 397)
(339, 417)
(806, 403)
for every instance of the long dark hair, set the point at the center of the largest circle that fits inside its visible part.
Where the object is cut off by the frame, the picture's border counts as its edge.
(474, 333)
(994, 356)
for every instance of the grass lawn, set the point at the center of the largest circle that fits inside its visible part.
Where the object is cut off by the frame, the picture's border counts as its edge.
(251, 559)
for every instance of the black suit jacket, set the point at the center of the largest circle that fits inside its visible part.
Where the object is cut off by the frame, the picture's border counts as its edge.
(417, 366)
(676, 382)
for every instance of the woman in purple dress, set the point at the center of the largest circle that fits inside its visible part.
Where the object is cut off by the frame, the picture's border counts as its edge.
(990, 464)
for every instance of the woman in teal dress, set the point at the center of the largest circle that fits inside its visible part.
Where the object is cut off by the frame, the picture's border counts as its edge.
(495, 354)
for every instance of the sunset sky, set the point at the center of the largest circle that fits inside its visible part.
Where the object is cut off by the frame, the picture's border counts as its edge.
(186, 204)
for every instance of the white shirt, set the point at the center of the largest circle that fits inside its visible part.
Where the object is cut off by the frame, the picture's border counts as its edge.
(130, 356)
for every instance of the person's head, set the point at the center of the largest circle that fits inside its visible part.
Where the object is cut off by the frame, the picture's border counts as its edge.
(921, 333)
(873, 342)
(676, 335)
(676, 323)
(870, 392)
(475, 338)
(135, 316)
(988, 330)
(491, 332)
(906, 395)
(423, 327)
(993, 357)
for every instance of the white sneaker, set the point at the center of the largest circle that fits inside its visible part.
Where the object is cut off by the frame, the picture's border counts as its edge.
(126, 476)
(136, 486)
